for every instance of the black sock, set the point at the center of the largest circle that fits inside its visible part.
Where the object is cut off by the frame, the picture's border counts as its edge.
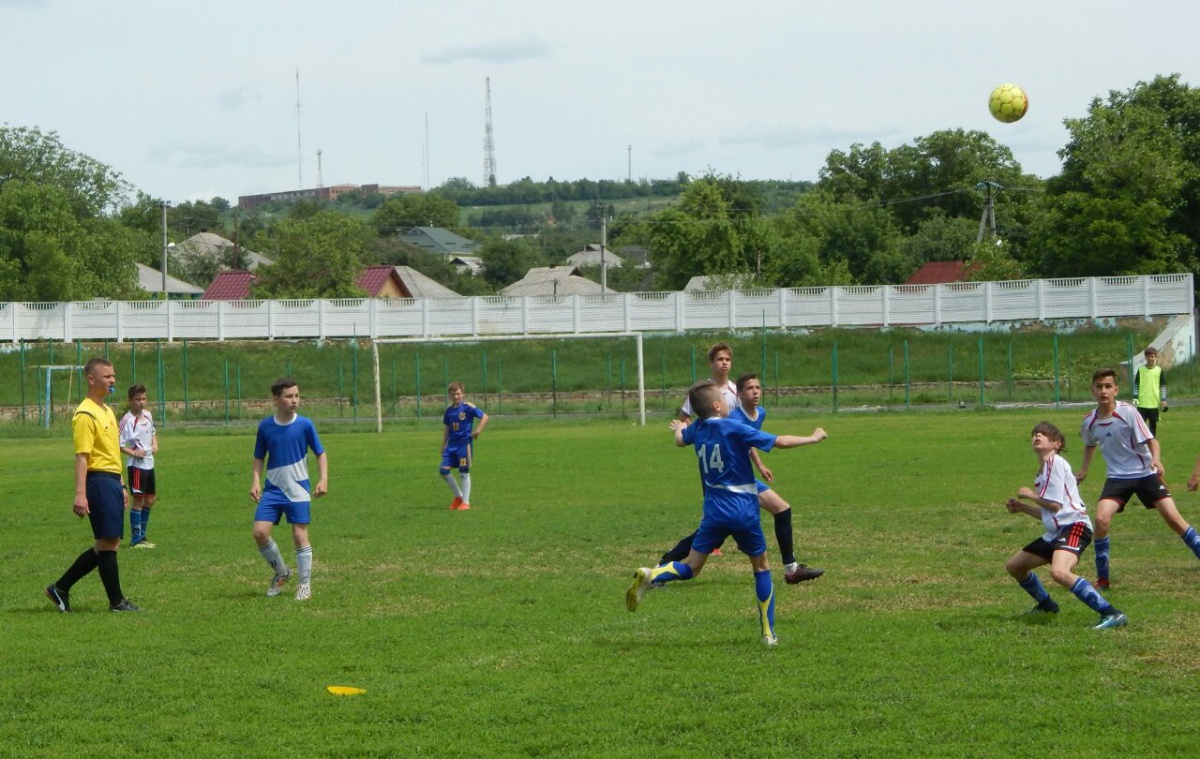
(680, 551)
(83, 565)
(110, 576)
(783, 536)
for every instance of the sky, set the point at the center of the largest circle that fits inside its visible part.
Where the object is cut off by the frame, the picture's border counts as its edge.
(193, 100)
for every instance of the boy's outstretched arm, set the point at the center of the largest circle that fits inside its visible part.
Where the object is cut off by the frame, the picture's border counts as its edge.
(677, 427)
(795, 441)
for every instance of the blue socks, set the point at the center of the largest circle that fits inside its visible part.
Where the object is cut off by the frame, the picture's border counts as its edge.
(764, 591)
(1192, 539)
(1033, 586)
(1084, 591)
(145, 520)
(675, 570)
(135, 525)
(1102, 548)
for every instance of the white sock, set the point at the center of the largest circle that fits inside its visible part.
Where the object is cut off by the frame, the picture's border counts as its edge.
(270, 552)
(449, 478)
(304, 564)
(466, 486)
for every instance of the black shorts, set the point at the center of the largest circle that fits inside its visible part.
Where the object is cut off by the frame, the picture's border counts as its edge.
(1074, 538)
(141, 481)
(1149, 490)
(106, 505)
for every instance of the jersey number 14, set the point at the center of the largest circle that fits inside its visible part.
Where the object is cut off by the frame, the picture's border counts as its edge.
(710, 461)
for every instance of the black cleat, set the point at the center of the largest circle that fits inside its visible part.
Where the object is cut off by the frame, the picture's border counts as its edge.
(1049, 606)
(124, 605)
(58, 598)
(802, 573)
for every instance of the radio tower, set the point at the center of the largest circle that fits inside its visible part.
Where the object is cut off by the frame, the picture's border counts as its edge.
(299, 149)
(489, 147)
(320, 177)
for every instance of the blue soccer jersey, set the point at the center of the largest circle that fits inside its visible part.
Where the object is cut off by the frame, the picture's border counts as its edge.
(740, 415)
(723, 452)
(459, 420)
(285, 448)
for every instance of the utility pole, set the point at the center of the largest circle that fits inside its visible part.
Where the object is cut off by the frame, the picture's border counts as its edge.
(988, 220)
(603, 256)
(165, 205)
(629, 163)
(299, 150)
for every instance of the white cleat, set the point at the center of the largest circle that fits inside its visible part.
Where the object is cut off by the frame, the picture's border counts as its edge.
(303, 592)
(277, 583)
(770, 641)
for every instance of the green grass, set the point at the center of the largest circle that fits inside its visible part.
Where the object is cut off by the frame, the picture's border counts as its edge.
(213, 382)
(502, 632)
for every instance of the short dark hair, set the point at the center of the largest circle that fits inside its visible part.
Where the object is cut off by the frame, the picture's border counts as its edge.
(701, 395)
(456, 385)
(1151, 351)
(1100, 374)
(282, 384)
(92, 363)
(713, 351)
(136, 390)
(1052, 433)
(743, 379)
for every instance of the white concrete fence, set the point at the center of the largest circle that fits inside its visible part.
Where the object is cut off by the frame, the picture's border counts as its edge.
(810, 307)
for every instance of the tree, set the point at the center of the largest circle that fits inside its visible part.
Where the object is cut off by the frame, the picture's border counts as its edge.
(506, 261)
(400, 213)
(1128, 198)
(57, 241)
(861, 239)
(315, 257)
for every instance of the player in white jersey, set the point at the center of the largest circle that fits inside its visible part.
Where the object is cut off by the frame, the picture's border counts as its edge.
(1068, 531)
(720, 362)
(139, 443)
(1132, 457)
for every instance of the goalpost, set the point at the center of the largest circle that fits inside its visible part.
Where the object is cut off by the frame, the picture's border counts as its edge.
(637, 336)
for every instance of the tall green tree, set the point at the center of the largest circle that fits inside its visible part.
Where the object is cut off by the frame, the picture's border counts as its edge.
(1128, 198)
(506, 261)
(58, 238)
(316, 257)
(400, 213)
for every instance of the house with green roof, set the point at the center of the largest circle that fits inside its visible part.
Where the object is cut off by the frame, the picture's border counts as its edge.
(440, 241)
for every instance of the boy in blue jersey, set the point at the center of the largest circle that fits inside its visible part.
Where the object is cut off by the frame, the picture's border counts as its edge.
(457, 437)
(284, 441)
(748, 411)
(730, 500)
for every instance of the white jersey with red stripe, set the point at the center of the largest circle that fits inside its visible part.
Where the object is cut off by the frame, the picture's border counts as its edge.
(137, 432)
(729, 397)
(1124, 439)
(1056, 482)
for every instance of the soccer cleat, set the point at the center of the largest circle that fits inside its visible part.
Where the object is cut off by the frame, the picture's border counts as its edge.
(1116, 619)
(124, 605)
(716, 552)
(58, 598)
(637, 588)
(456, 504)
(277, 583)
(464, 506)
(143, 544)
(795, 573)
(1049, 606)
(303, 592)
(1102, 583)
(770, 641)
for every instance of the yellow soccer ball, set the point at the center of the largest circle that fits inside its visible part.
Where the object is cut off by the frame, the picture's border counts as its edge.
(1008, 103)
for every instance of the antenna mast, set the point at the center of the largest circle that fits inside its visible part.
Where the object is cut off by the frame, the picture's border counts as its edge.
(489, 146)
(320, 175)
(426, 155)
(299, 150)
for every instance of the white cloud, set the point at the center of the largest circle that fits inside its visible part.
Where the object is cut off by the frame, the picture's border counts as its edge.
(503, 51)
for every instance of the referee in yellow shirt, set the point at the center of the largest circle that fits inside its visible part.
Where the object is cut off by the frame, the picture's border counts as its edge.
(99, 491)
(1150, 390)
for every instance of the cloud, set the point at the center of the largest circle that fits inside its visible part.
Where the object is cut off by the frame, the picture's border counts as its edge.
(784, 136)
(677, 149)
(505, 51)
(238, 97)
(212, 156)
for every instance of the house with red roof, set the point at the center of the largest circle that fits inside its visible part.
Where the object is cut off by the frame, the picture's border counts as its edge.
(939, 272)
(230, 285)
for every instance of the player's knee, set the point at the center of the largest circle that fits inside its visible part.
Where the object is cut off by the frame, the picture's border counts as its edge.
(443, 471)
(464, 470)
(1061, 576)
(1014, 568)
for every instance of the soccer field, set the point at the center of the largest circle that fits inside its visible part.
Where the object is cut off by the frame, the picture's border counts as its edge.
(501, 631)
